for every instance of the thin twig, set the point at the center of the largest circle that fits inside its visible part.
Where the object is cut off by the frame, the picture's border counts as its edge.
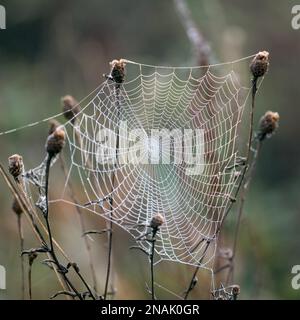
(31, 257)
(26, 207)
(193, 281)
(241, 209)
(34, 216)
(65, 293)
(249, 144)
(151, 258)
(247, 176)
(19, 196)
(46, 216)
(110, 231)
(110, 238)
(77, 270)
(29, 282)
(21, 237)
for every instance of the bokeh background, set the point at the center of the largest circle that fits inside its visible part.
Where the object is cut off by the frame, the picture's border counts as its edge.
(52, 48)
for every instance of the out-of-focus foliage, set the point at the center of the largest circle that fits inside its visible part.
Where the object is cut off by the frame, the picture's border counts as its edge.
(52, 48)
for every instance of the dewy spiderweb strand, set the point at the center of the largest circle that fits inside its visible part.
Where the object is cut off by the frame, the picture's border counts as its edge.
(211, 99)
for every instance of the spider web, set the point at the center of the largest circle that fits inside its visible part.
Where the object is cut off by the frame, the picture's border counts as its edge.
(212, 99)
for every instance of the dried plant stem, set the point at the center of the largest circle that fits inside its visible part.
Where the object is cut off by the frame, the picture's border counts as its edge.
(21, 237)
(249, 144)
(30, 214)
(26, 209)
(245, 181)
(110, 232)
(31, 260)
(109, 254)
(244, 193)
(29, 282)
(82, 225)
(245, 170)
(193, 281)
(46, 216)
(254, 91)
(151, 259)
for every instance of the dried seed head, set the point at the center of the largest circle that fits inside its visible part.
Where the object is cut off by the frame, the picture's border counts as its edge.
(16, 207)
(157, 221)
(70, 108)
(260, 64)
(268, 125)
(15, 165)
(55, 142)
(118, 71)
(53, 125)
(235, 290)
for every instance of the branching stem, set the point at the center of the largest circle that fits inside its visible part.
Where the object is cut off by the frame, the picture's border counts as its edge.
(193, 281)
(46, 216)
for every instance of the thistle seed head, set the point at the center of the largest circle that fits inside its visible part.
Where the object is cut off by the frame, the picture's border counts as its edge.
(55, 142)
(16, 207)
(260, 64)
(53, 125)
(70, 108)
(157, 221)
(268, 125)
(15, 165)
(235, 290)
(117, 73)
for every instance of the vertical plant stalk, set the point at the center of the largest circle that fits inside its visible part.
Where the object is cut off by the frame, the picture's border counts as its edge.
(29, 282)
(82, 226)
(21, 238)
(155, 223)
(110, 229)
(194, 280)
(46, 216)
(245, 180)
(151, 258)
(20, 197)
(54, 145)
(244, 194)
(31, 258)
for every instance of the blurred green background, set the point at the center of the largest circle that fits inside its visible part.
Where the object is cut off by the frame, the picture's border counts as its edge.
(52, 48)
